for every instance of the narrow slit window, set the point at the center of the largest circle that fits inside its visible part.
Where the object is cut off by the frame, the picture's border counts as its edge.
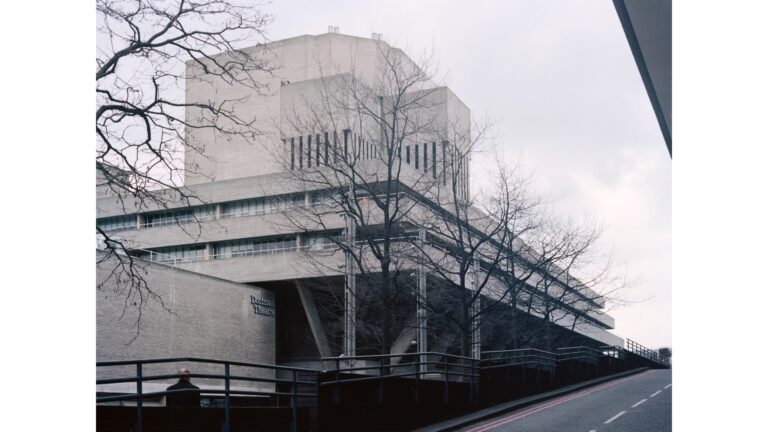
(346, 144)
(293, 154)
(309, 151)
(434, 160)
(408, 154)
(301, 152)
(327, 144)
(335, 147)
(445, 162)
(416, 155)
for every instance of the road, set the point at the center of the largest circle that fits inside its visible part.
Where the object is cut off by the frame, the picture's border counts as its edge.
(641, 402)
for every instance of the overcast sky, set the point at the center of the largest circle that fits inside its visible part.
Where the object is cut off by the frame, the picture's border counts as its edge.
(559, 80)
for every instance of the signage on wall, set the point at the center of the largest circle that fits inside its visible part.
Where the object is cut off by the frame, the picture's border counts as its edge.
(263, 306)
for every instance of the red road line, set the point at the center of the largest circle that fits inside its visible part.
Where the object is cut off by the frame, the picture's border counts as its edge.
(556, 402)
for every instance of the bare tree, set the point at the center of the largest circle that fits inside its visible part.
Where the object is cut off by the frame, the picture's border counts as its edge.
(551, 298)
(505, 263)
(142, 118)
(470, 244)
(348, 140)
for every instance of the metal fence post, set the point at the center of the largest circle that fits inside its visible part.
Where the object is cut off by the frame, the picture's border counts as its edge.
(336, 389)
(474, 372)
(294, 412)
(381, 380)
(538, 368)
(445, 379)
(418, 379)
(140, 399)
(226, 398)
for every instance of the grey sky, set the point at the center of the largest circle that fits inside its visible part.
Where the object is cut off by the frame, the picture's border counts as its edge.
(559, 80)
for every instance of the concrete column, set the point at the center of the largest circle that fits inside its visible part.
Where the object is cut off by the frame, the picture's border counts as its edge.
(350, 303)
(208, 253)
(139, 221)
(421, 309)
(218, 211)
(475, 310)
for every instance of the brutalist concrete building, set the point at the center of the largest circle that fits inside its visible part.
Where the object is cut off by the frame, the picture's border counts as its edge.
(262, 266)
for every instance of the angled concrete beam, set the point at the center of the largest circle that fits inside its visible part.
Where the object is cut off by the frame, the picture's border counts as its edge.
(313, 317)
(403, 341)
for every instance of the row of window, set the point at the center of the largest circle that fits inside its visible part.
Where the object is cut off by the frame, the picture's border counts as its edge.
(327, 149)
(117, 223)
(248, 207)
(258, 206)
(200, 213)
(251, 247)
(425, 160)
(178, 254)
(244, 247)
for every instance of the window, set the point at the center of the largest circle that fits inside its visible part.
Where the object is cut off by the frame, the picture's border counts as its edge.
(317, 149)
(434, 159)
(117, 223)
(327, 144)
(301, 152)
(258, 206)
(309, 151)
(346, 145)
(425, 158)
(408, 154)
(293, 157)
(416, 155)
(252, 247)
(321, 241)
(445, 161)
(335, 147)
(178, 254)
(200, 213)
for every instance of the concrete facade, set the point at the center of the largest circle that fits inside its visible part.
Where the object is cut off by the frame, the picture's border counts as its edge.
(208, 282)
(296, 59)
(200, 316)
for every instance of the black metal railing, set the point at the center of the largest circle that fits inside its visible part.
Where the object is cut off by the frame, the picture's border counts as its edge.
(530, 357)
(646, 353)
(579, 353)
(269, 377)
(380, 368)
(458, 376)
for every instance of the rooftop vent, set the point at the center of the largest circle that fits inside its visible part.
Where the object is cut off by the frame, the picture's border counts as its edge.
(333, 29)
(377, 36)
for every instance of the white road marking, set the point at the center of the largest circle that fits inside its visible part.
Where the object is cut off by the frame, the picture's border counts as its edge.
(615, 417)
(668, 386)
(635, 405)
(659, 391)
(593, 430)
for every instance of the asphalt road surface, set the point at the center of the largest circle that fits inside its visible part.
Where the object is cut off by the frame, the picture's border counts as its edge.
(641, 402)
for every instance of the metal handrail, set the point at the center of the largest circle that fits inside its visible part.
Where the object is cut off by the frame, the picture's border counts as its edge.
(467, 368)
(139, 395)
(199, 360)
(520, 356)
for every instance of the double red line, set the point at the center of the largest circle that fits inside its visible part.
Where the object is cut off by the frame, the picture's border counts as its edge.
(554, 403)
